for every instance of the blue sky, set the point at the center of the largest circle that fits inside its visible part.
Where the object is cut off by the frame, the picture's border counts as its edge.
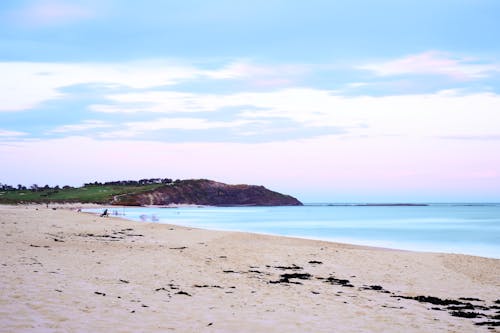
(326, 100)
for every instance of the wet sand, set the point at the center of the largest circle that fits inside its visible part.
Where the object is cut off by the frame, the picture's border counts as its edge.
(64, 271)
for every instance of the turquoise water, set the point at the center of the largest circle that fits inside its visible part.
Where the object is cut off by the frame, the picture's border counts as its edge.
(452, 228)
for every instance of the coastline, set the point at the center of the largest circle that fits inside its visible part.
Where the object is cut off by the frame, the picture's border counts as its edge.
(428, 240)
(69, 271)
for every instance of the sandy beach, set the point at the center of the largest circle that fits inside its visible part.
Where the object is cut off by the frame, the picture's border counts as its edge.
(65, 271)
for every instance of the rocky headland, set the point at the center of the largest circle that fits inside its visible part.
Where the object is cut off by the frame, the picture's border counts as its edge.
(206, 192)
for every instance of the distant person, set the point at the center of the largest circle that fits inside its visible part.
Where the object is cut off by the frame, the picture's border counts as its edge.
(105, 213)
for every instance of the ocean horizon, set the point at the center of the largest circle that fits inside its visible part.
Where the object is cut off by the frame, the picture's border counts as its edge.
(463, 228)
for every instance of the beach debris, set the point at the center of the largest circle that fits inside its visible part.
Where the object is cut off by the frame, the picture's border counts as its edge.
(44, 246)
(206, 286)
(392, 307)
(456, 308)
(229, 271)
(467, 306)
(123, 281)
(180, 292)
(99, 293)
(341, 282)
(433, 300)
(284, 268)
(285, 278)
(114, 236)
(466, 314)
(257, 272)
(472, 299)
(315, 262)
(178, 248)
(170, 285)
(488, 323)
(376, 288)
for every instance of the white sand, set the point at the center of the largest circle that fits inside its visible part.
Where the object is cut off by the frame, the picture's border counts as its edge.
(51, 269)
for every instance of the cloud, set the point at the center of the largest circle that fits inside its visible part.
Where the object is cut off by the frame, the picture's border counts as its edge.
(433, 63)
(439, 114)
(85, 125)
(484, 137)
(25, 85)
(140, 128)
(52, 13)
(6, 133)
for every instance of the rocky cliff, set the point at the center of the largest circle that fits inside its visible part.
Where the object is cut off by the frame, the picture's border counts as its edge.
(207, 192)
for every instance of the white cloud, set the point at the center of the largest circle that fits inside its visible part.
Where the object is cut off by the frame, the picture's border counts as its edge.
(85, 125)
(262, 75)
(6, 133)
(25, 85)
(138, 128)
(445, 113)
(433, 63)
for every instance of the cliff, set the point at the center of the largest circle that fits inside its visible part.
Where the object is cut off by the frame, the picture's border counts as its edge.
(207, 192)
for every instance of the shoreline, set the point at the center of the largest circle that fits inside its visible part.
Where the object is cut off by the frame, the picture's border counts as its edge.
(69, 271)
(394, 246)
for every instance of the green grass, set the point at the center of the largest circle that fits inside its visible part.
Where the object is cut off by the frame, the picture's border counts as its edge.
(91, 194)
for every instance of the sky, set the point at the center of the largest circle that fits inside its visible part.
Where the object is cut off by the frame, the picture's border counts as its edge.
(329, 101)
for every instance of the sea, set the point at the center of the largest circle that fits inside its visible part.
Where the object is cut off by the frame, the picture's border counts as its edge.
(450, 228)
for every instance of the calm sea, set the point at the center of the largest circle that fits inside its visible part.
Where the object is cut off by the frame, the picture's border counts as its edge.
(452, 228)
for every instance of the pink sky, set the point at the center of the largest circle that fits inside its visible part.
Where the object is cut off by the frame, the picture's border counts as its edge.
(323, 169)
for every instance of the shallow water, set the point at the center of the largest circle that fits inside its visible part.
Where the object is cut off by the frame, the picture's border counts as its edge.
(451, 228)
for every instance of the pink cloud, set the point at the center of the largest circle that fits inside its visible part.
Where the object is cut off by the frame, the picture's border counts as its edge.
(433, 62)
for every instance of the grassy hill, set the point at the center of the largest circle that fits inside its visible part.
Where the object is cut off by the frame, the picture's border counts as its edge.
(151, 192)
(89, 193)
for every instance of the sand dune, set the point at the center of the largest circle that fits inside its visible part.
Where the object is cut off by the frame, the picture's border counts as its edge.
(64, 271)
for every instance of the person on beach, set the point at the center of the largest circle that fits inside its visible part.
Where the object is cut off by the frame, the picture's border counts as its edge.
(105, 213)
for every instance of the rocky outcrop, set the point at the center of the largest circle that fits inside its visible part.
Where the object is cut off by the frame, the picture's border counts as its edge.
(207, 192)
